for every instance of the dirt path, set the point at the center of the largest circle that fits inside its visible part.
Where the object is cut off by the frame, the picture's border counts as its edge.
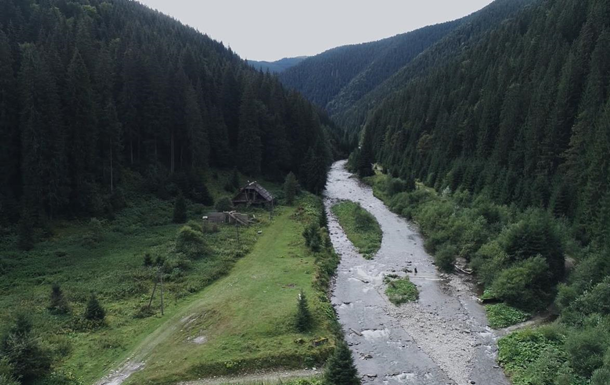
(443, 338)
(260, 378)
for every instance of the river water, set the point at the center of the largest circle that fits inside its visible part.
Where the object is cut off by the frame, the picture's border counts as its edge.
(443, 338)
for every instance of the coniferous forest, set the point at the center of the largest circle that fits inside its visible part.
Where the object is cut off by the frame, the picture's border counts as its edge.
(94, 91)
(121, 129)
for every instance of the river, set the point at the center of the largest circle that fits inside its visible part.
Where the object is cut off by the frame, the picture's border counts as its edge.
(443, 338)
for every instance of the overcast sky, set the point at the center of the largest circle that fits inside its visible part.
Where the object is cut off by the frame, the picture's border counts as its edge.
(274, 29)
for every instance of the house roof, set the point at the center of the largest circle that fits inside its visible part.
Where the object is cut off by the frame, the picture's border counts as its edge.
(258, 188)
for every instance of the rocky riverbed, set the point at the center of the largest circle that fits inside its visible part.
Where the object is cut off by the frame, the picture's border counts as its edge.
(443, 338)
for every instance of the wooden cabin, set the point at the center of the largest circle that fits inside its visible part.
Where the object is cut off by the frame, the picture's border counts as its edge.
(253, 194)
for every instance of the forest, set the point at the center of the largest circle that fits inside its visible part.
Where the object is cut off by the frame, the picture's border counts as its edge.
(513, 135)
(95, 92)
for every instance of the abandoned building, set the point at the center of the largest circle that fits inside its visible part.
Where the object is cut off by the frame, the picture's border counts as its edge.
(253, 194)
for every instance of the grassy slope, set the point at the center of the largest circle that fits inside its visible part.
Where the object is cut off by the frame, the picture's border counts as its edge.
(366, 238)
(247, 316)
(113, 269)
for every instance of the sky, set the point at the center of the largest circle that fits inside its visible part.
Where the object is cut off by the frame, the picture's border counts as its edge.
(274, 29)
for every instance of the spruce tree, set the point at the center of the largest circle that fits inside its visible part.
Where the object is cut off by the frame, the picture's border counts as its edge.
(303, 318)
(94, 310)
(340, 369)
(180, 209)
(249, 154)
(290, 188)
(58, 303)
(20, 347)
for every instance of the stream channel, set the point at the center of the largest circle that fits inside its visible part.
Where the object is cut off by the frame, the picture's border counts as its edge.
(443, 338)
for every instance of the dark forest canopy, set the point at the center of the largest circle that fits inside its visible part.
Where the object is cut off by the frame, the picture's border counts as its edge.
(94, 91)
(522, 116)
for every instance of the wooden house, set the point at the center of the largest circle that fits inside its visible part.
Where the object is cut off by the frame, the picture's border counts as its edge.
(253, 194)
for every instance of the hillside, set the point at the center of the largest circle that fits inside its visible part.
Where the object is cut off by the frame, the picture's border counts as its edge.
(346, 81)
(277, 66)
(111, 90)
(511, 133)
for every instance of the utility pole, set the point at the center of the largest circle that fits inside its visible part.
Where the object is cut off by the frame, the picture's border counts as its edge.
(161, 293)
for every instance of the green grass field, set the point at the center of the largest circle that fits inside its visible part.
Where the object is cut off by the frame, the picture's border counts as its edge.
(244, 321)
(360, 227)
(83, 257)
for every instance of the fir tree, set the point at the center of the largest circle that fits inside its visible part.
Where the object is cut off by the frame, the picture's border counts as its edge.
(290, 188)
(27, 358)
(303, 319)
(340, 369)
(94, 310)
(249, 155)
(148, 262)
(58, 303)
(180, 209)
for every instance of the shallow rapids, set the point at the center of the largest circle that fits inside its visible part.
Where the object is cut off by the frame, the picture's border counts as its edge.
(441, 339)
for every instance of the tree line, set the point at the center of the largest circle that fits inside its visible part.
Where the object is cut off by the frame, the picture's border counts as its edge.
(97, 95)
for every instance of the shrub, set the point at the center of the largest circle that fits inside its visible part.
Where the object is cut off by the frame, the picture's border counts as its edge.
(601, 377)
(94, 310)
(586, 350)
(224, 204)
(190, 242)
(445, 257)
(180, 209)
(522, 285)
(501, 315)
(313, 240)
(340, 369)
(303, 319)
(58, 303)
(401, 290)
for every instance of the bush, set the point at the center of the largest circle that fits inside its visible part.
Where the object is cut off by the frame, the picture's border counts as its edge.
(224, 204)
(586, 350)
(190, 242)
(94, 310)
(522, 285)
(445, 257)
(58, 303)
(501, 315)
(313, 240)
(303, 319)
(401, 290)
(180, 209)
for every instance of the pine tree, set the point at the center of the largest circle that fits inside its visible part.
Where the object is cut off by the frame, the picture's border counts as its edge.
(27, 358)
(290, 188)
(58, 303)
(249, 155)
(340, 369)
(180, 209)
(94, 310)
(303, 319)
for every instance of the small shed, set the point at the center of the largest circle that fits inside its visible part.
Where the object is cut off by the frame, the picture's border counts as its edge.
(253, 194)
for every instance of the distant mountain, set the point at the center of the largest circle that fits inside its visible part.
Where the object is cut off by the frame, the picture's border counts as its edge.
(345, 80)
(277, 66)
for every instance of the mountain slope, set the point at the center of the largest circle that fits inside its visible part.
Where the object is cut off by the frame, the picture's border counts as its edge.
(347, 81)
(355, 69)
(109, 88)
(277, 66)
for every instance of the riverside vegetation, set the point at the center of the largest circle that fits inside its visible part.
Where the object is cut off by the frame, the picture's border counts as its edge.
(360, 226)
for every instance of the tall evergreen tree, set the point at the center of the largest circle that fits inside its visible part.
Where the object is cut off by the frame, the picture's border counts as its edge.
(249, 148)
(340, 369)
